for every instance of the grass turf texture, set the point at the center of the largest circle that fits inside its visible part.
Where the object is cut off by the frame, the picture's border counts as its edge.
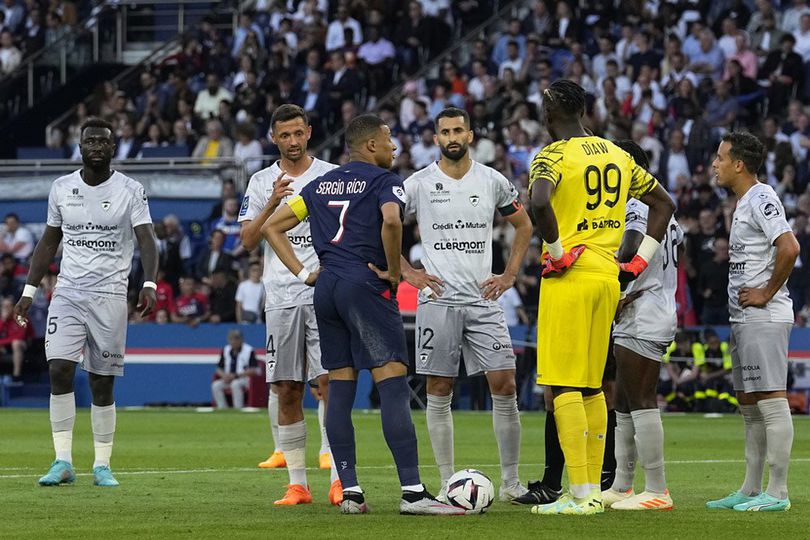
(184, 473)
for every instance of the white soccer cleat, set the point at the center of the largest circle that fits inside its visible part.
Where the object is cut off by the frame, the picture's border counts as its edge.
(646, 500)
(611, 496)
(424, 504)
(510, 493)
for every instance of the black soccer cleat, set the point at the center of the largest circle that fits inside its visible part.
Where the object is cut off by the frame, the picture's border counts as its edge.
(539, 493)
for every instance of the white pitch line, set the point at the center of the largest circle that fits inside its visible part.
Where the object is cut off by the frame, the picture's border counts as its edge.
(362, 467)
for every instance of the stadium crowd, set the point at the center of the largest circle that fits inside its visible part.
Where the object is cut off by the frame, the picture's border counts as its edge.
(673, 76)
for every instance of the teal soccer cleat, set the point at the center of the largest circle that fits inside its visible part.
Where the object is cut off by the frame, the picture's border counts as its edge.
(764, 503)
(729, 502)
(102, 476)
(61, 472)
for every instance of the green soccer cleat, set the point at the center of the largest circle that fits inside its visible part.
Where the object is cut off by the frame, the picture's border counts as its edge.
(764, 503)
(566, 505)
(102, 476)
(61, 472)
(729, 502)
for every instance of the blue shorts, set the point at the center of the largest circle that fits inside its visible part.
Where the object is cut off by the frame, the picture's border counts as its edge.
(358, 327)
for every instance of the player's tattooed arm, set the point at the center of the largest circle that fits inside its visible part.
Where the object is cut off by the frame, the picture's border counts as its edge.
(274, 231)
(41, 258)
(149, 260)
(251, 231)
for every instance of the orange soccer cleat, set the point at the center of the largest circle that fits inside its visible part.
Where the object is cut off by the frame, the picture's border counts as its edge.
(276, 461)
(336, 493)
(296, 494)
(325, 460)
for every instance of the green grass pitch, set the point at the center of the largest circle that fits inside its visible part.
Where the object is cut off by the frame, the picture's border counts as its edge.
(189, 474)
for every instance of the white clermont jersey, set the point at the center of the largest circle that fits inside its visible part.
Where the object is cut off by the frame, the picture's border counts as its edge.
(758, 221)
(282, 287)
(97, 230)
(455, 223)
(652, 316)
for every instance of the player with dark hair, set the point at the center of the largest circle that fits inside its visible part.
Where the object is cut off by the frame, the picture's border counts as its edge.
(454, 201)
(293, 354)
(355, 212)
(591, 179)
(763, 250)
(94, 212)
(644, 328)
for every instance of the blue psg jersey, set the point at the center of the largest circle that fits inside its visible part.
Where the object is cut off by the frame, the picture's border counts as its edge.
(344, 208)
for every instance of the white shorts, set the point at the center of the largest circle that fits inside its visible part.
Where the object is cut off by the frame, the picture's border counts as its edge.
(293, 345)
(87, 328)
(759, 352)
(653, 350)
(445, 333)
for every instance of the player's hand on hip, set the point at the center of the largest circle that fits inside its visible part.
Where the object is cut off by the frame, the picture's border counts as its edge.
(385, 275)
(629, 271)
(427, 283)
(21, 310)
(281, 189)
(313, 277)
(624, 302)
(555, 267)
(146, 301)
(494, 286)
(753, 297)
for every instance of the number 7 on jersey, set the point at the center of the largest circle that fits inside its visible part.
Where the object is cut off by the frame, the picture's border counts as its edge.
(344, 207)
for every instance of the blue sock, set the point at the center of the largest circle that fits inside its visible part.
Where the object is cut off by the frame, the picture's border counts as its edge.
(398, 428)
(340, 430)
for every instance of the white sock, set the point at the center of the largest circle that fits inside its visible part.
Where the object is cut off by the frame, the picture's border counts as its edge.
(779, 440)
(292, 440)
(272, 413)
(322, 424)
(625, 452)
(440, 430)
(755, 449)
(506, 423)
(103, 420)
(650, 445)
(63, 416)
(416, 488)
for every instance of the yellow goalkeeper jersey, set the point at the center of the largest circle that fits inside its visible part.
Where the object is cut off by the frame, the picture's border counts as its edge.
(593, 179)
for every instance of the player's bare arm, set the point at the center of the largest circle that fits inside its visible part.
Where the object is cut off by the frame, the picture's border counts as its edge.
(495, 286)
(391, 234)
(251, 231)
(275, 232)
(558, 260)
(787, 250)
(418, 277)
(661, 209)
(149, 260)
(43, 254)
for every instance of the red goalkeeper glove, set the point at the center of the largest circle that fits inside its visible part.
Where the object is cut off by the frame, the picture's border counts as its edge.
(629, 271)
(552, 267)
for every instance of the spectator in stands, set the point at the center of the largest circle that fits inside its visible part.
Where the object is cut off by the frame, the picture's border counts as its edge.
(315, 101)
(247, 148)
(335, 36)
(713, 282)
(650, 145)
(154, 139)
(127, 145)
(228, 224)
(65, 10)
(513, 60)
(782, 72)
(721, 110)
(10, 55)
(250, 296)
(214, 257)
(674, 162)
(708, 60)
(207, 104)
(13, 338)
(645, 55)
(182, 137)
(222, 308)
(424, 152)
(175, 249)
(791, 18)
(16, 239)
(164, 297)
(12, 276)
(767, 37)
(191, 305)
(421, 120)
(34, 33)
(215, 144)
(237, 363)
(245, 28)
(377, 56)
(341, 82)
(55, 30)
(15, 14)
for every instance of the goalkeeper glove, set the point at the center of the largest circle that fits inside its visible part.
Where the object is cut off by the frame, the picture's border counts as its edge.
(646, 251)
(558, 266)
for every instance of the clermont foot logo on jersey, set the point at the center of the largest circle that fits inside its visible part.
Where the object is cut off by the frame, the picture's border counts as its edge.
(474, 200)
(583, 225)
(105, 205)
(423, 358)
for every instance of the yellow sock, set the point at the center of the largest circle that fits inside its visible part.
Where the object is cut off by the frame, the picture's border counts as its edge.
(596, 413)
(572, 428)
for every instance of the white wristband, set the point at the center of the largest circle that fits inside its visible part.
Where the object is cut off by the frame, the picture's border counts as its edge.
(649, 246)
(29, 291)
(150, 285)
(555, 249)
(303, 275)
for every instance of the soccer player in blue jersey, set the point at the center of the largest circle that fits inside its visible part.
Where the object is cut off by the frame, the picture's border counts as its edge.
(355, 214)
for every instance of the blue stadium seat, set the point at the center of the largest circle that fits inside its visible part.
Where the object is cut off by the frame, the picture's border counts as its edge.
(165, 152)
(39, 152)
